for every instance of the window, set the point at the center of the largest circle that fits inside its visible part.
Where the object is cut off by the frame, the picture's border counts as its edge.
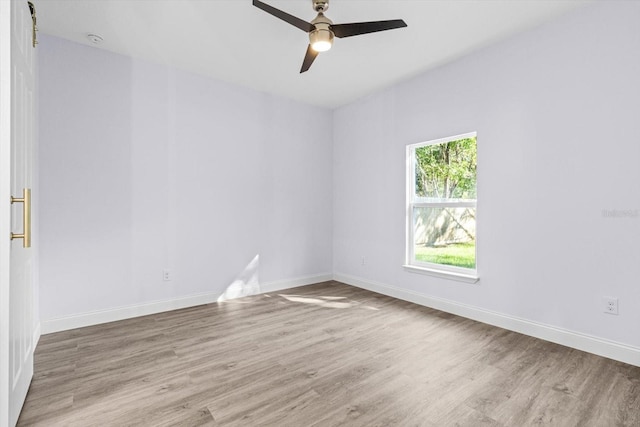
(441, 207)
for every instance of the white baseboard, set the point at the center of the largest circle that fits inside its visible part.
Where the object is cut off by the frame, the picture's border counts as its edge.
(279, 285)
(613, 350)
(127, 312)
(601, 347)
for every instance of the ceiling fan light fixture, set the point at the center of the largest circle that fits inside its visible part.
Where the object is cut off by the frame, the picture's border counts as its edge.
(321, 40)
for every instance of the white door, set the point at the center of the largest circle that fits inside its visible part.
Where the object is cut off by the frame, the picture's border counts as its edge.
(17, 114)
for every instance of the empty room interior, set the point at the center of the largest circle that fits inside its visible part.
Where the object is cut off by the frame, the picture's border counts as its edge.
(433, 223)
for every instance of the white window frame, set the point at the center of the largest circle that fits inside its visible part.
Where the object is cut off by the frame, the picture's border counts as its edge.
(468, 275)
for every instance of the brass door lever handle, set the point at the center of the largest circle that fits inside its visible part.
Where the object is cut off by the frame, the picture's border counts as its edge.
(26, 217)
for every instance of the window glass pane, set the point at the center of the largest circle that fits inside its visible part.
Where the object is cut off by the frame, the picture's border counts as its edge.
(445, 236)
(446, 171)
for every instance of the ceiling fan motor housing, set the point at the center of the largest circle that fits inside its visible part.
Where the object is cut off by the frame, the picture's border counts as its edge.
(320, 5)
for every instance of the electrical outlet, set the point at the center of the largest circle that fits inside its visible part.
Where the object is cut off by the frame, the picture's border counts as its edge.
(610, 305)
(167, 275)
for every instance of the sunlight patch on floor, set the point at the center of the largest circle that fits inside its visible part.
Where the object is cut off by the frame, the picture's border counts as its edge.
(324, 301)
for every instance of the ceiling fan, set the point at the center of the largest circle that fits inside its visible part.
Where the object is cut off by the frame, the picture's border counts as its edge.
(322, 30)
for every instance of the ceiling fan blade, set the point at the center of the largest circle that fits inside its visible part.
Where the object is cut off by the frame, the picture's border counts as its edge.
(357, 28)
(308, 59)
(296, 22)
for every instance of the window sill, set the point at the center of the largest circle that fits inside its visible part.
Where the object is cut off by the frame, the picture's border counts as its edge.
(460, 277)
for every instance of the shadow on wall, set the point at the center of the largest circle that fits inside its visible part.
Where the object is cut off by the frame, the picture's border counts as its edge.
(245, 284)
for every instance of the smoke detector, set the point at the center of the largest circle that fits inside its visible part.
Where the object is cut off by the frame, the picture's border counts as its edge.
(94, 38)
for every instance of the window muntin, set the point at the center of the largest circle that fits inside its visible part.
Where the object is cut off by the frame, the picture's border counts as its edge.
(442, 199)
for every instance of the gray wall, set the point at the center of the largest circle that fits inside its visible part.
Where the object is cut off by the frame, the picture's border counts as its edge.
(145, 167)
(557, 111)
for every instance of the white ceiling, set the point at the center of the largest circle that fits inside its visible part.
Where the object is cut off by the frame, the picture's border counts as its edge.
(232, 40)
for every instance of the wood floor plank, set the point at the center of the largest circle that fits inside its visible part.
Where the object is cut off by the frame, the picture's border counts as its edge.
(324, 355)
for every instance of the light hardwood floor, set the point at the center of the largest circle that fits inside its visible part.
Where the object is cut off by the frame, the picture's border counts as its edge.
(320, 355)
